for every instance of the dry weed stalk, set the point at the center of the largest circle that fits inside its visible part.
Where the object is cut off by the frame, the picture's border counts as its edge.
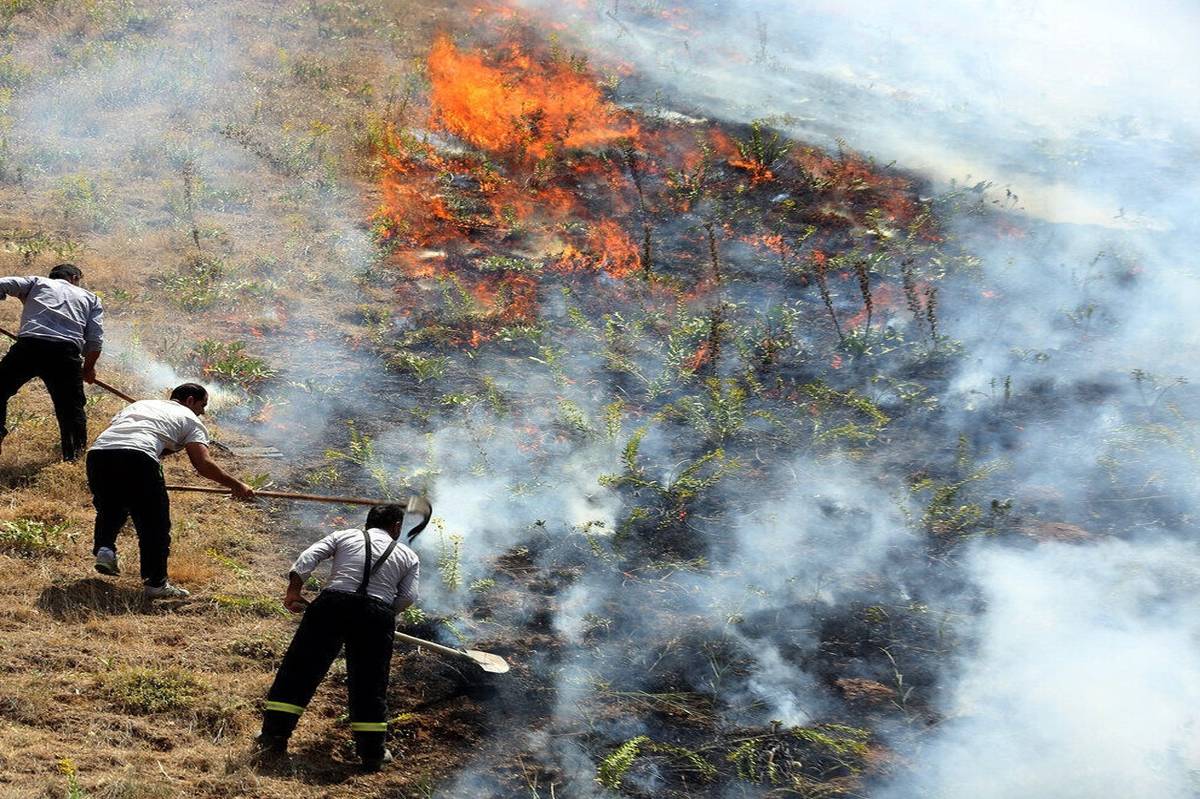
(714, 254)
(931, 301)
(189, 181)
(864, 286)
(632, 162)
(823, 286)
(909, 282)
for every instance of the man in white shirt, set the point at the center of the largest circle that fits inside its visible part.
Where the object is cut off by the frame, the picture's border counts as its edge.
(373, 576)
(124, 471)
(59, 341)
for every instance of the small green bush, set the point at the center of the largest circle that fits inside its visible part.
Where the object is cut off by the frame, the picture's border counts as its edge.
(26, 538)
(228, 361)
(252, 605)
(150, 691)
(262, 650)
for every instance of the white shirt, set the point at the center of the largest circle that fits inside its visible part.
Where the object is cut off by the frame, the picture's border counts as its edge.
(152, 426)
(396, 580)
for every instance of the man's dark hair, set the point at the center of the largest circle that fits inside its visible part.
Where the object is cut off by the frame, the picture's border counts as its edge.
(188, 391)
(384, 516)
(66, 272)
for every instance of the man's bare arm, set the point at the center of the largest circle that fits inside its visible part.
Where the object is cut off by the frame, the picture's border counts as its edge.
(205, 466)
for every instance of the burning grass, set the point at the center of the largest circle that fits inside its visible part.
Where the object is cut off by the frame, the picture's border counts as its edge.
(561, 286)
(517, 105)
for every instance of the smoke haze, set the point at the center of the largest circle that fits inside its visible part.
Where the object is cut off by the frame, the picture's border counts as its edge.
(1073, 120)
(1066, 669)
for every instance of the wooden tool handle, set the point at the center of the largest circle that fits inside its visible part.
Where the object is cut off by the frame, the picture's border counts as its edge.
(283, 495)
(445, 650)
(100, 383)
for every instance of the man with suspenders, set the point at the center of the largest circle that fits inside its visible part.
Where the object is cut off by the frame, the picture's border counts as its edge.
(373, 577)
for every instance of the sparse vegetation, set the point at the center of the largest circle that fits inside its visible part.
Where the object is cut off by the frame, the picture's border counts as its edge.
(568, 294)
(229, 361)
(143, 691)
(28, 538)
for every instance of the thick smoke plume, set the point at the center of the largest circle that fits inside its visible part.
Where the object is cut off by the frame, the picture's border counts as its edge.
(1070, 121)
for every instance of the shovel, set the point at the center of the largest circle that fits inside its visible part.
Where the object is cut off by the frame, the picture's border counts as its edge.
(492, 664)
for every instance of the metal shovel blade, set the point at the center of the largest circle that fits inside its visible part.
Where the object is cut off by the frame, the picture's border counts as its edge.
(248, 452)
(492, 664)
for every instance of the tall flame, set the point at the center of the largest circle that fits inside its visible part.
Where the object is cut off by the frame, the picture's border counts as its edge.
(520, 106)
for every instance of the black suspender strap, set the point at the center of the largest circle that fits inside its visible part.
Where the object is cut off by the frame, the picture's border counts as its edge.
(362, 587)
(385, 555)
(368, 569)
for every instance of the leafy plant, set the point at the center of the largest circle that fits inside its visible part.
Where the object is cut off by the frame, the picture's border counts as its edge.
(680, 488)
(361, 452)
(83, 199)
(761, 151)
(449, 562)
(229, 361)
(945, 514)
(422, 367)
(67, 768)
(411, 616)
(29, 538)
(252, 605)
(612, 768)
(149, 691)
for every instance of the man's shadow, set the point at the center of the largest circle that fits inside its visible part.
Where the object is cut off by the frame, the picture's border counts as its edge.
(92, 596)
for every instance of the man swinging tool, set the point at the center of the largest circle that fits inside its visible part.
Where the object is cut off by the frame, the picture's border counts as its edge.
(59, 341)
(373, 577)
(124, 472)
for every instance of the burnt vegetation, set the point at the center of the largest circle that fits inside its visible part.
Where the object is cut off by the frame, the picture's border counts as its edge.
(695, 325)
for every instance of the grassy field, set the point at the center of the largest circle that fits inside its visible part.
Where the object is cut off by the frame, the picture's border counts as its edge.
(189, 157)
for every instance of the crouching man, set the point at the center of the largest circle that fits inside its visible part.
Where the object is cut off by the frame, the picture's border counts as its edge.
(373, 577)
(59, 341)
(124, 472)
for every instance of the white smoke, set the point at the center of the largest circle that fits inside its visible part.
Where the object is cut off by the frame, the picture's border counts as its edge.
(1085, 682)
(1083, 677)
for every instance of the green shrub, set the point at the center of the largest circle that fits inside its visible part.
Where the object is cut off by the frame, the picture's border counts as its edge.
(84, 200)
(228, 361)
(263, 650)
(149, 691)
(252, 605)
(26, 538)
(612, 768)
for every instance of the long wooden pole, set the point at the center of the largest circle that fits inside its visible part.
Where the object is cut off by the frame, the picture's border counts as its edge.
(283, 495)
(97, 381)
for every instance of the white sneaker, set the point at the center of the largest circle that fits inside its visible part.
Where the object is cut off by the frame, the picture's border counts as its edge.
(106, 562)
(165, 591)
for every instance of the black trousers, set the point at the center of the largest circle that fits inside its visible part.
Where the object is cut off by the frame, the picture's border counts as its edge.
(366, 627)
(126, 483)
(60, 366)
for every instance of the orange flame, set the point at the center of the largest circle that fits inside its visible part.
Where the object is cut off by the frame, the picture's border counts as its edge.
(520, 106)
(608, 247)
(700, 357)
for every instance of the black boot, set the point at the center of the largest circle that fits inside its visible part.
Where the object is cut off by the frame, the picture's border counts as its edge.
(376, 763)
(269, 750)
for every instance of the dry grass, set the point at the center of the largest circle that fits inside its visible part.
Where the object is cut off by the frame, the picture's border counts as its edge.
(144, 699)
(149, 699)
